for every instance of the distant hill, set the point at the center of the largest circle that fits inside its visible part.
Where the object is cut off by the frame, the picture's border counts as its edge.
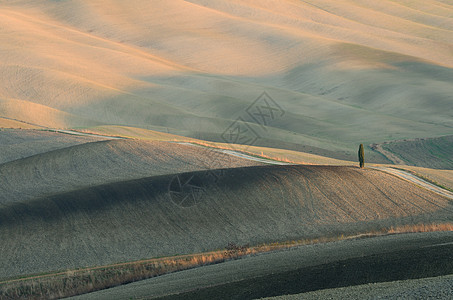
(340, 73)
(436, 153)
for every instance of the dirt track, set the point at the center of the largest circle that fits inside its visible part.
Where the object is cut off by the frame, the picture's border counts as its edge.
(78, 133)
(417, 180)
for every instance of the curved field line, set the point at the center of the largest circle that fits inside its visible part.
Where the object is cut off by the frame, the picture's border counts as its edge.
(416, 180)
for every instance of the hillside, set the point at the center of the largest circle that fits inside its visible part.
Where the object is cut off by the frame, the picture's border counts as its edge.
(213, 144)
(437, 287)
(17, 144)
(94, 163)
(340, 72)
(440, 177)
(9, 123)
(435, 153)
(147, 217)
(328, 270)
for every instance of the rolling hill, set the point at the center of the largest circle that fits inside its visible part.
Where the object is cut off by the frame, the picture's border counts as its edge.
(343, 73)
(94, 162)
(17, 144)
(435, 153)
(138, 131)
(147, 217)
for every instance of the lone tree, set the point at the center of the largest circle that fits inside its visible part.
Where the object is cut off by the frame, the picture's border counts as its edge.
(361, 156)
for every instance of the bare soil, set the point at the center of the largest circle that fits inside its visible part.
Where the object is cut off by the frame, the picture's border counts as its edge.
(76, 164)
(17, 144)
(307, 268)
(132, 220)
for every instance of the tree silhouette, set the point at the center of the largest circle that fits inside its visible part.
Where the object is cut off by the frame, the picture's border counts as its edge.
(361, 156)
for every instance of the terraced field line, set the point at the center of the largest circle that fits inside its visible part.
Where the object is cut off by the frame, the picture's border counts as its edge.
(416, 180)
(72, 132)
(249, 157)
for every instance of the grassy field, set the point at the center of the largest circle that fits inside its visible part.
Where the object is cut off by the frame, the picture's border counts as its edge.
(443, 178)
(8, 123)
(73, 162)
(380, 268)
(58, 186)
(292, 156)
(82, 281)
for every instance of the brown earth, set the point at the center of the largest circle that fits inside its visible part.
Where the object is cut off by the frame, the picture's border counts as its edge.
(144, 218)
(320, 268)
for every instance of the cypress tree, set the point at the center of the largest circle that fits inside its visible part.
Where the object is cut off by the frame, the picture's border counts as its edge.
(361, 156)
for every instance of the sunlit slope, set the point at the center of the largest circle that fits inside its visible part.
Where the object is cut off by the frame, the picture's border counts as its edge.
(9, 123)
(137, 219)
(343, 71)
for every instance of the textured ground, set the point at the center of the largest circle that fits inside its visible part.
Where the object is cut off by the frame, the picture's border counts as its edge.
(308, 268)
(442, 177)
(336, 73)
(155, 216)
(17, 144)
(435, 153)
(344, 72)
(56, 163)
(427, 288)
